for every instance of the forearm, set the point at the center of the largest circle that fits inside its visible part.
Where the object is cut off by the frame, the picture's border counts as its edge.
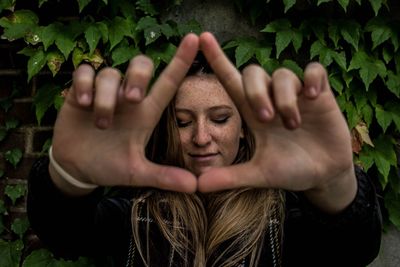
(336, 194)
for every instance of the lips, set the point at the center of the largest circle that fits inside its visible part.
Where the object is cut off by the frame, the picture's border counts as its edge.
(203, 157)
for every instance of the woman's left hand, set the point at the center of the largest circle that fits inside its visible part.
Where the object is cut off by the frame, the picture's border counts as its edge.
(302, 139)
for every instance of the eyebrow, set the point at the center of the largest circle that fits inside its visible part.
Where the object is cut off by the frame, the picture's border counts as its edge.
(210, 109)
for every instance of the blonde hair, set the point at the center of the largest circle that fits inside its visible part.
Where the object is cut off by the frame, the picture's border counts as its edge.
(218, 229)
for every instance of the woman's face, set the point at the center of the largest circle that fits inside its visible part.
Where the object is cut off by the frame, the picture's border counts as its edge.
(209, 123)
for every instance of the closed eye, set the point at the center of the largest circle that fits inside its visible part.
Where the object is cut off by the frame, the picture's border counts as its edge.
(183, 124)
(221, 120)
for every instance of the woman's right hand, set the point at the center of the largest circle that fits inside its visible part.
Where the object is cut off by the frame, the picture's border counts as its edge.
(104, 125)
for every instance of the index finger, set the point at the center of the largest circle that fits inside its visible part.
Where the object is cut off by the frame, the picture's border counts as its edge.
(226, 72)
(170, 79)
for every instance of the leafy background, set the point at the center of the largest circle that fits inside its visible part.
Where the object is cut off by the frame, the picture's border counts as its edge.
(356, 40)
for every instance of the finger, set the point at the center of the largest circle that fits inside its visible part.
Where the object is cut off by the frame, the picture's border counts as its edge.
(107, 86)
(286, 86)
(315, 80)
(165, 177)
(257, 84)
(226, 72)
(170, 79)
(232, 177)
(82, 84)
(137, 78)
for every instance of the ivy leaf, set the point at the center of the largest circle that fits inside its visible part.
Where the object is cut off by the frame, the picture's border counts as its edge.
(18, 24)
(351, 31)
(95, 59)
(92, 36)
(327, 55)
(376, 5)
(293, 66)
(163, 53)
(123, 53)
(334, 33)
(77, 56)
(190, 26)
(43, 257)
(147, 7)
(11, 123)
(387, 55)
(367, 114)
(36, 63)
(393, 83)
(65, 42)
(322, 1)
(263, 55)
(344, 4)
(315, 25)
(10, 253)
(380, 31)
(394, 109)
(44, 99)
(167, 30)
(285, 34)
(103, 30)
(288, 4)
(368, 66)
(392, 203)
(7, 4)
(118, 28)
(48, 34)
(54, 61)
(20, 226)
(245, 50)
(14, 192)
(41, 2)
(82, 4)
(336, 83)
(13, 156)
(384, 118)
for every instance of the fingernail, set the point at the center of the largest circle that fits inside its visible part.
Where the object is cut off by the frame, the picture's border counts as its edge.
(265, 114)
(102, 122)
(312, 91)
(292, 123)
(84, 99)
(133, 93)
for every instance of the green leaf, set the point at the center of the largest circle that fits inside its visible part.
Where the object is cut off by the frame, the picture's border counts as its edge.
(117, 30)
(376, 5)
(288, 4)
(36, 63)
(44, 99)
(351, 31)
(46, 146)
(369, 67)
(353, 117)
(11, 123)
(146, 22)
(82, 4)
(380, 31)
(92, 36)
(14, 192)
(334, 33)
(147, 7)
(384, 118)
(323, 1)
(367, 114)
(13, 156)
(41, 2)
(336, 83)
(103, 30)
(7, 4)
(327, 55)
(393, 83)
(344, 4)
(167, 30)
(123, 53)
(65, 40)
(317, 26)
(188, 27)
(48, 34)
(163, 53)
(384, 155)
(54, 61)
(293, 66)
(10, 253)
(77, 56)
(263, 55)
(285, 34)
(245, 50)
(18, 24)
(392, 203)
(20, 226)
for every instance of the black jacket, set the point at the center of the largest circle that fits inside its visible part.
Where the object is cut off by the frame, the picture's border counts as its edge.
(99, 225)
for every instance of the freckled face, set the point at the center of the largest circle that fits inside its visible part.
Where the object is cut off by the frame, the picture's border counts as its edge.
(209, 124)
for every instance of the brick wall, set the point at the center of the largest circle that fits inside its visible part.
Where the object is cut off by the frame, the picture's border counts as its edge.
(28, 136)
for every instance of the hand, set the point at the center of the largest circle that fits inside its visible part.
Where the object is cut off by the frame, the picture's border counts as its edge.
(302, 139)
(100, 134)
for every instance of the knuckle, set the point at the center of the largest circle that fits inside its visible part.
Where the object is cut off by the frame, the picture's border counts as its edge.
(251, 69)
(109, 72)
(282, 73)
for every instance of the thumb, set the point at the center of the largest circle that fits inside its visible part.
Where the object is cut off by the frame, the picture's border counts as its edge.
(165, 177)
(235, 176)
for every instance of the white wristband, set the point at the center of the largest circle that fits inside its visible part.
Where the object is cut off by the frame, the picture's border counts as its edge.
(66, 176)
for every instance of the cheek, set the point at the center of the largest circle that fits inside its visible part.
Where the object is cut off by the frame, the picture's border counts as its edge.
(184, 138)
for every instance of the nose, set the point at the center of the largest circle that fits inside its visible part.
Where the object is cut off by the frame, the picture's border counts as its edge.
(201, 135)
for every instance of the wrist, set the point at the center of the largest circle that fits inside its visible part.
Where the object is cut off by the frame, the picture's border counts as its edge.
(335, 195)
(66, 182)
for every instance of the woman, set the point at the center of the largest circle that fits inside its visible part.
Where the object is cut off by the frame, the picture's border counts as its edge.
(299, 148)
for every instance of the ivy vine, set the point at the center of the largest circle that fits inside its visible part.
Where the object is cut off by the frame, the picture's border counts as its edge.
(356, 40)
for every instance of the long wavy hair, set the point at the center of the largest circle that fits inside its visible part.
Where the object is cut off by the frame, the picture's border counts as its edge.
(217, 229)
